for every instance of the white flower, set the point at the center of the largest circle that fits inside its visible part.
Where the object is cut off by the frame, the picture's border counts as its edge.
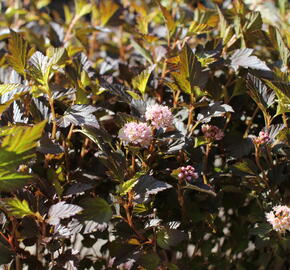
(160, 116)
(279, 218)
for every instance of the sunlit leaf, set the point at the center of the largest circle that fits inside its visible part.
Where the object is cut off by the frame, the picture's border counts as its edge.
(140, 81)
(18, 49)
(82, 7)
(80, 115)
(170, 23)
(10, 181)
(244, 58)
(190, 71)
(18, 208)
(260, 93)
(62, 210)
(142, 51)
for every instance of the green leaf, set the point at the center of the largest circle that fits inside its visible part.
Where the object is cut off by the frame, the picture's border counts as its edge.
(96, 209)
(9, 93)
(172, 266)
(11, 181)
(198, 28)
(190, 71)
(282, 91)
(140, 81)
(142, 51)
(42, 3)
(17, 208)
(107, 9)
(40, 67)
(23, 139)
(198, 141)
(15, 149)
(18, 49)
(203, 188)
(6, 254)
(167, 238)
(226, 30)
(149, 261)
(170, 23)
(125, 187)
(283, 6)
(6, 88)
(82, 8)
(182, 83)
(57, 56)
(253, 22)
(283, 49)
(142, 24)
(260, 93)
(261, 229)
(247, 166)
(163, 239)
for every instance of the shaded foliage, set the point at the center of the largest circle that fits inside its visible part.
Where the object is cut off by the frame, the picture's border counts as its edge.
(75, 196)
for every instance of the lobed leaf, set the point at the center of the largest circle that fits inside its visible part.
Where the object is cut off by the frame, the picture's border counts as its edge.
(62, 210)
(243, 58)
(18, 208)
(18, 49)
(96, 209)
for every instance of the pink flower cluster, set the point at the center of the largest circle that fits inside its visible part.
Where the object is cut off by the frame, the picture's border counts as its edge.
(279, 218)
(136, 133)
(212, 132)
(160, 116)
(140, 133)
(187, 173)
(262, 138)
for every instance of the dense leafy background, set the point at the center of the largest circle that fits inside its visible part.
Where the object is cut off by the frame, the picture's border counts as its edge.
(74, 72)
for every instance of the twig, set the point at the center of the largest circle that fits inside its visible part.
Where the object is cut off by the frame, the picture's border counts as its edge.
(53, 132)
(70, 28)
(180, 196)
(251, 122)
(257, 159)
(127, 206)
(205, 162)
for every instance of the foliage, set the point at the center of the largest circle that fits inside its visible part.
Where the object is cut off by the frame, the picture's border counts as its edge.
(75, 196)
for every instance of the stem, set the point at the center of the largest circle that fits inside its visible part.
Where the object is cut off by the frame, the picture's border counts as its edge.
(53, 132)
(269, 156)
(285, 120)
(180, 193)
(189, 118)
(205, 162)
(257, 159)
(70, 132)
(84, 150)
(190, 114)
(70, 28)
(121, 47)
(193, 128)
(129, 219)
(251, 122)
(66, 159)
(18, 264)
(164, 67)
(267, 120)
(175, 98)
(133, 164)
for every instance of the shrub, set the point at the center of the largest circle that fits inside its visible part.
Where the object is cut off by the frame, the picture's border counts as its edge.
(144, 135)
